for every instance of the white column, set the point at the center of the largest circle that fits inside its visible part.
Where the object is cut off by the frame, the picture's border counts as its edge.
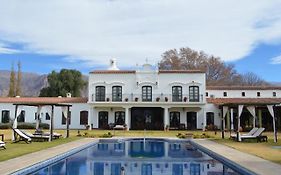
(127, 117)
(126, 149)
(204, 120)
(91, 113)
(166, 149)
(231, 119)
(166, 117)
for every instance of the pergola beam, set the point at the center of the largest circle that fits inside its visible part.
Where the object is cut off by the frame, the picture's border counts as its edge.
(51, 127)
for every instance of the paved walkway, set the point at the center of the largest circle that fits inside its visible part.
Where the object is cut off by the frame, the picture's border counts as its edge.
(12, 165)
(251, 162)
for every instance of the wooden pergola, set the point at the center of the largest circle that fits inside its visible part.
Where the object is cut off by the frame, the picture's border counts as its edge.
(52, 105)
(240, 103)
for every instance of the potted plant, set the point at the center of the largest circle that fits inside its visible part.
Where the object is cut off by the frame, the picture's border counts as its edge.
(126, 99)
(158, 99)
(107, 99)
(167, 127)
(185, 99)
(166, 99)
(136, 99)
(125, 127)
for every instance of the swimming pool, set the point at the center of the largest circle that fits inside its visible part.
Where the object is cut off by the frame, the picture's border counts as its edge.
(139, 157)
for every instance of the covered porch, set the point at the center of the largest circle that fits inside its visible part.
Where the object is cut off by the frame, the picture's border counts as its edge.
(243, 114)
(149, 117)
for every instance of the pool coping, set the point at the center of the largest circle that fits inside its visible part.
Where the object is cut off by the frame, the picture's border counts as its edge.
(229, 163)
(196, 142)
(26, 162)
(251, 162)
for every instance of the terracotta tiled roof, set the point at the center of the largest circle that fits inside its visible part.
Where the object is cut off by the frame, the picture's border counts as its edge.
(225, 101)
(243, 88)
(113, 72)
(133, 71)
(181, 71)
(42, 100)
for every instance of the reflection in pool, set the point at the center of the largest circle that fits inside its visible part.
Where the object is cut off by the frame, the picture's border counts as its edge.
(138, 157)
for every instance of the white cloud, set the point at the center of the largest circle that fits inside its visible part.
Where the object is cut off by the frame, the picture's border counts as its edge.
(276, 60)
(6, 50)
(93, 31)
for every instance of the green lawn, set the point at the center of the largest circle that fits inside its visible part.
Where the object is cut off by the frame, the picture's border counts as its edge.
(263, 150)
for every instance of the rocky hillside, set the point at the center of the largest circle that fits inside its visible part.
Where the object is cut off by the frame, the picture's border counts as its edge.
(31, 83)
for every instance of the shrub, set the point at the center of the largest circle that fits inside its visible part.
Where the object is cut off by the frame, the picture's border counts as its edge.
(44, 126)
(5, 125)
(26, 125)
(211, 127)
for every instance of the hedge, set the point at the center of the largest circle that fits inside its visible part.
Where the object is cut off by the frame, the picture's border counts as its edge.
(24, 125)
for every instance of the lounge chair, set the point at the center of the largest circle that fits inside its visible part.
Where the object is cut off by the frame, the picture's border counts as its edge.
(55, 135)
(22, 136)
(250, 133)
(257, 135)
(41, 133)
(35, 137)
(2, 144)
(119, 127)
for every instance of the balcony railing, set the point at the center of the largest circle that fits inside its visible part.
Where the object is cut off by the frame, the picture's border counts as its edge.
(155, 98)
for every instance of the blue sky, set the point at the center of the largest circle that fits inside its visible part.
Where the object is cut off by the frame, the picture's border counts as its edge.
(84, 35)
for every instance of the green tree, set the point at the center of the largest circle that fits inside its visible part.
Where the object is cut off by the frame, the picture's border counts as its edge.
(18, 85)
(12, 82)
(63, 82)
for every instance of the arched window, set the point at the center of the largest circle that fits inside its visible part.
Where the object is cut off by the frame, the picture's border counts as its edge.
(177, 93)
(210, 118)
(100, 93)
(119, 118)
(117, 93)
(83, 117)
(193, 93)
(5, 116)
(146, 93)
(21, 117)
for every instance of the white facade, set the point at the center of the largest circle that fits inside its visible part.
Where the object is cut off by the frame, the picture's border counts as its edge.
(30, 112)
(149, 99)
(152, 105)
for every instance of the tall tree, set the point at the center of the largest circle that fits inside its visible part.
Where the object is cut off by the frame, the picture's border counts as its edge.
(252, 79)
(18, 85)
(63, 82)
(12, 82)
(217, 71)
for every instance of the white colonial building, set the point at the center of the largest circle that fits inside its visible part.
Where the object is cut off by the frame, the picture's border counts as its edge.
(152, 99)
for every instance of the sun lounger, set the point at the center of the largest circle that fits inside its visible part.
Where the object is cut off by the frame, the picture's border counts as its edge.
(55, 135)
(257, 135)
(22, 136)
(119, 127)
(2, 144)
(250, 133)
(41, 133)
(35, 137)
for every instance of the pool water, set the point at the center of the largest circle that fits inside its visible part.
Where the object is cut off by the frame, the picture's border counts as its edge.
(138, 157)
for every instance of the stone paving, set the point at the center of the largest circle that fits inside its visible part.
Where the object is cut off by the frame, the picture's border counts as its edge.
(12, 165)
(251, 162)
